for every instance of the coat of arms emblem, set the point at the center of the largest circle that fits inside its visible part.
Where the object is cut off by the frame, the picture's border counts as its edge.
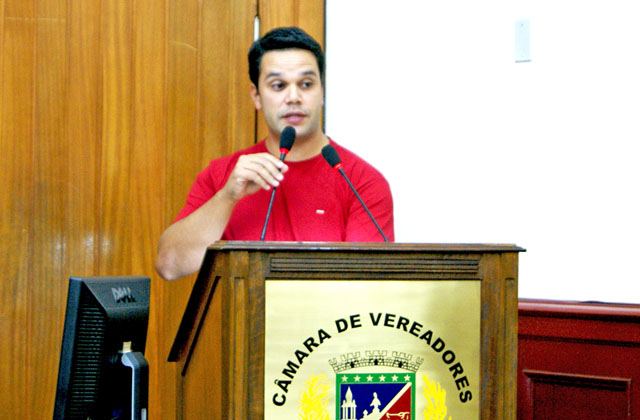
(375, 396)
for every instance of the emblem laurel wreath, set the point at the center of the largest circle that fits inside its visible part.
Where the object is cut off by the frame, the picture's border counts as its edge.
(314, 399)
(435, 396)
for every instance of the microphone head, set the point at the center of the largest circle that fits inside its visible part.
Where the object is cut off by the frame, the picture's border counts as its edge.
(331, 156)
(287, 138)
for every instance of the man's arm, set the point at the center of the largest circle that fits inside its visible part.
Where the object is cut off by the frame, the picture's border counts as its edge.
(182, 245)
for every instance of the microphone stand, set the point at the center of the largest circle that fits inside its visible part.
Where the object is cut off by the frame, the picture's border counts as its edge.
(363, 205)
(273, 194)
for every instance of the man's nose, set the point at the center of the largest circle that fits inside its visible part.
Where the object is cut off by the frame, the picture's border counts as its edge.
(293, 94)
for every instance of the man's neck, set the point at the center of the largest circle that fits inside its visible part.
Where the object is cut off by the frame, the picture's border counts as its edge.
(303, 148)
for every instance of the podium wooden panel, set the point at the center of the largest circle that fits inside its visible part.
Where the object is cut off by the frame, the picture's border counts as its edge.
(220, 342)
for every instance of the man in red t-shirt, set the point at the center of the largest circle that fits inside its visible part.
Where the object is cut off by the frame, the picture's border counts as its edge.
(229, 199)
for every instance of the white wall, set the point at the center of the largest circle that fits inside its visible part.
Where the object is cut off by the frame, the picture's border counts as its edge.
(478, 148)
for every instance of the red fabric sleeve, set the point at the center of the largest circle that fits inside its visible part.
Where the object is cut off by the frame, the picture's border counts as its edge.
(376, 194)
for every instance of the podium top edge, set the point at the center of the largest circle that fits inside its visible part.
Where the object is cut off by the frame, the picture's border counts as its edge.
(361, 246)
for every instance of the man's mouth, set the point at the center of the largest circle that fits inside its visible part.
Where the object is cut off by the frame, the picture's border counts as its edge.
(294, 117)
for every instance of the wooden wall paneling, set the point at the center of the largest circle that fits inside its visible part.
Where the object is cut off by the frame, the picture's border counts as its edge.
(2, 7)
(227, 115)
(241, 116)
(147, 188)
(20, 10)
(181, 164)
(215, 35)
(47, 264)
(308, 15)
(108, 110)
(168, 306)
(83, 136)
(149, 130)
(182, 149)
(16, 201)
(115, 165)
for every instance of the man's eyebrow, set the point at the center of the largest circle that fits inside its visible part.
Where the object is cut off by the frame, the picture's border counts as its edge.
(273, 74)
(279, 74)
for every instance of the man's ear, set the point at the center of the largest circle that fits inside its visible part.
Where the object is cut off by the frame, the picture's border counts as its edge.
(255, 97)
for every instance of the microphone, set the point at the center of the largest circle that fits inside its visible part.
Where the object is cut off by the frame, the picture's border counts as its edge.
(287, 137)
(332, 158)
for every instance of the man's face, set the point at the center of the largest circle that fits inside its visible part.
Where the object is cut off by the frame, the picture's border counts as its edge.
(290, 92)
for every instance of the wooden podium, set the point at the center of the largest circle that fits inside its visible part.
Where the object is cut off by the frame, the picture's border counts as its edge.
(220, 344)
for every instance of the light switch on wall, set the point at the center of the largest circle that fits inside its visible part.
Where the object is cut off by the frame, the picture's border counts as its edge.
(523, 41)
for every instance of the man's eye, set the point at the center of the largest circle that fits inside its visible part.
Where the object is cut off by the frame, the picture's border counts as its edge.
(277, 85)
(307, 84)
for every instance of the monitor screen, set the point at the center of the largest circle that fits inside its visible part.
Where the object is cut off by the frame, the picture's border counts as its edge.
(102, 372)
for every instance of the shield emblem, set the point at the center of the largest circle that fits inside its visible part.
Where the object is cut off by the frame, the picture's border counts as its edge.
(375, 396)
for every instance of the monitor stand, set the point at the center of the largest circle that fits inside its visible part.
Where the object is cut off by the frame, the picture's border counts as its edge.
(139, 383)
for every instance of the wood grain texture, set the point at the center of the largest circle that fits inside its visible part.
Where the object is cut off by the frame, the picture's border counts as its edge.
(240, 272)
(147, 179)
(50, 182)
(108, 110)
(578, 360)
(182, 149)
(17, 63)
(117, 122)
(445, 267)
(16, 9)
(558, 396)
(83, 134)
(498, 351)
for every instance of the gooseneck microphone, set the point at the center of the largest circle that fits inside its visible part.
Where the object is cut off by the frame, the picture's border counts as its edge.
(287, 137)
(332, 158)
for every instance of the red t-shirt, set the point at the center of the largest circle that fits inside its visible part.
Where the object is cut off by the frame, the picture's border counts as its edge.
(312, 203)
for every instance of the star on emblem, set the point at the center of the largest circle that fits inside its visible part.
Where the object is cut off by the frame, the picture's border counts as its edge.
(369, 378)
(383, 378)
(394, 378)
(357, 378)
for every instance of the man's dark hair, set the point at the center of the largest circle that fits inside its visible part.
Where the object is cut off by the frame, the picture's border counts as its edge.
(283, 39)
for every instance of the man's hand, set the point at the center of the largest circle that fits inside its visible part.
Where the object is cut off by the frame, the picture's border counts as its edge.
(253, 172)
(182, 245)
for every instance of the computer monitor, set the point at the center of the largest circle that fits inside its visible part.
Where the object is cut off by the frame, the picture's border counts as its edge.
(103, 373)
